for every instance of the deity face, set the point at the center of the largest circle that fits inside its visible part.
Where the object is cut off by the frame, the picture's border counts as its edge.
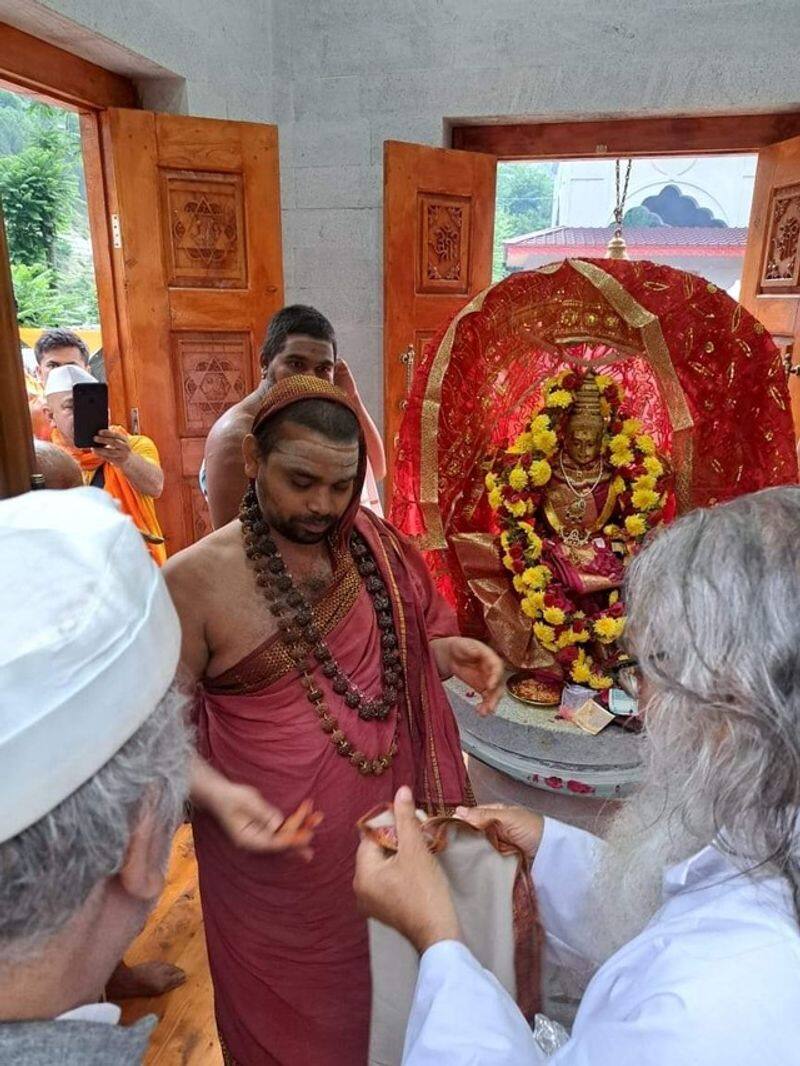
(583, 442)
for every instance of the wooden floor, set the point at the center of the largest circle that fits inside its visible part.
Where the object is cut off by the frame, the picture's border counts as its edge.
(186, 1033)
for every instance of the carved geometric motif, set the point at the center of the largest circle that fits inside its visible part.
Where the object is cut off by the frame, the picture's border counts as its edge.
(444, 234)
(781, 271)
(196, 510)
(212, 372)
(203, 222)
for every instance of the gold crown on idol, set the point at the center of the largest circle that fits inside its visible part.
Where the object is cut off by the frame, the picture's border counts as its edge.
(587, 411)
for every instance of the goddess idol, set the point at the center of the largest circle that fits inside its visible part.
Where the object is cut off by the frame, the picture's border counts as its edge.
(556, 421)
(574, 495)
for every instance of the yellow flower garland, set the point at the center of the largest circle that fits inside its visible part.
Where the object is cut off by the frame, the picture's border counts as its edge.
(509, 495)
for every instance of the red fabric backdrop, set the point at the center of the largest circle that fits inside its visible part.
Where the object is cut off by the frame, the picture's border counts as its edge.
(680, 347)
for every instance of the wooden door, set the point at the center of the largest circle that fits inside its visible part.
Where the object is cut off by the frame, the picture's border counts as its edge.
(438, 210)
(16, 435)
(771, 273)
(195, 241)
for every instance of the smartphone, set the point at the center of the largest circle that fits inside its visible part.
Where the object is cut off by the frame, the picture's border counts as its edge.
(90, 412)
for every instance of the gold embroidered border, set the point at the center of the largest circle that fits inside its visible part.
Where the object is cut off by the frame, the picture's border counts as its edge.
(429, 433)
(636, 316)
(656, 348)
(271, 660)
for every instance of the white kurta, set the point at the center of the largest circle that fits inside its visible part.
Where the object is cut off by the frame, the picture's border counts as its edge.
(713, 980)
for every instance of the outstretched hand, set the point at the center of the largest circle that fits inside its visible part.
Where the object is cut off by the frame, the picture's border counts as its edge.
(406, 890)
(255, 825)
(473, 663)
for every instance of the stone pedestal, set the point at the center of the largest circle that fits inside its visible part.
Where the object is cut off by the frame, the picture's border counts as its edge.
(544, 762)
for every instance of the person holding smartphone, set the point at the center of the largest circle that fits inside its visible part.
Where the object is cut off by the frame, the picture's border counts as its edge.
(124, 465)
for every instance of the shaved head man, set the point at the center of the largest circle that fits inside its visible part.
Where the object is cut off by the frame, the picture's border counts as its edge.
(60, 471)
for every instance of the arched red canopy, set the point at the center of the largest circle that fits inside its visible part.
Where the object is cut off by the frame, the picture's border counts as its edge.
(701, 373)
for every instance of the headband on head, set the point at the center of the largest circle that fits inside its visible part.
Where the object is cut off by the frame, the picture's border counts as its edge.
(296, 389)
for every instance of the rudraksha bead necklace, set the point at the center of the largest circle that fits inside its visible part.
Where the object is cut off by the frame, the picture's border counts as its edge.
(307, 647)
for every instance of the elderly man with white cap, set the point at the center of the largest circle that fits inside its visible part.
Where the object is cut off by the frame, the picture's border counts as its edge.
(126, 465)
(93, 768)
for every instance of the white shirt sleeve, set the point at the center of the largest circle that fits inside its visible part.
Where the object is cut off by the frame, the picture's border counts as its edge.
(562, 875)
(462, 1015)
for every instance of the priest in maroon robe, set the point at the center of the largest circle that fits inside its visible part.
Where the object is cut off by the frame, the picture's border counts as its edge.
(319, 643)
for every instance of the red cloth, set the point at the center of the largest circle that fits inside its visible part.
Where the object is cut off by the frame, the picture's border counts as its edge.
(287, 949)
(527, 328)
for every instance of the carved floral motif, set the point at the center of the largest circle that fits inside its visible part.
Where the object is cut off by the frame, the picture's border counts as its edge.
(200, 517)
(444, 223)
(782, 260)
(444, 242)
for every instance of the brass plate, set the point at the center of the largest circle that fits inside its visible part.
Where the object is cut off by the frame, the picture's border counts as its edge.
(535, 693)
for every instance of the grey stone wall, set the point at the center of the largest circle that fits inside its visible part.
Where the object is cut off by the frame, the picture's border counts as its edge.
(341, 76)
(349, 74)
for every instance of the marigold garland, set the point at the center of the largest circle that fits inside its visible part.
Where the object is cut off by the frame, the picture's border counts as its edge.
(515, 494)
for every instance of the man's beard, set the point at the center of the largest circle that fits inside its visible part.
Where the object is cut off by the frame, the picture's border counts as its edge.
(644, 839)
(293, 529)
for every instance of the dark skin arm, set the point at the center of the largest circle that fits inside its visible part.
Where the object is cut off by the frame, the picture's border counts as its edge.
(249, 820)
(225, 477)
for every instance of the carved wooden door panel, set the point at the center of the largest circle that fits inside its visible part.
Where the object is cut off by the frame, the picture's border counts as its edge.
(438, 210)
(771, 272)
(197, 271)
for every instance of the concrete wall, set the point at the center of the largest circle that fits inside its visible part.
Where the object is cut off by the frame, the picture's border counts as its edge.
(350, 73)
(194, 56)
(341, 76)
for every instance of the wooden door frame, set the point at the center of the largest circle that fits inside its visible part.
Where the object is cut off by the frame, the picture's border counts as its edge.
(626, 137)
(36, 68)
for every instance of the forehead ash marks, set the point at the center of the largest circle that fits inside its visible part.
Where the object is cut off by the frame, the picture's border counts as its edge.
(310, 452)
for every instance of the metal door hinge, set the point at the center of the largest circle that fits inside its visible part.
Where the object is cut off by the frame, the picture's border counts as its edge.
(116, 232)
(407, 359)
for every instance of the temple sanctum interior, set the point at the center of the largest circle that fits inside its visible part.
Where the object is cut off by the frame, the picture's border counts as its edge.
(445, 356)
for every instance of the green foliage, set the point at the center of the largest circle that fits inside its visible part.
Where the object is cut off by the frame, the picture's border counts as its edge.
(641, 216)
(504, 229)
(72, 301)
(43, 197)
(38, 195)
(524, 205)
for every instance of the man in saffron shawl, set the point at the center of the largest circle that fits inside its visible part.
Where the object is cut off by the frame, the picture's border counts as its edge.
(125, 465)
(319, 643)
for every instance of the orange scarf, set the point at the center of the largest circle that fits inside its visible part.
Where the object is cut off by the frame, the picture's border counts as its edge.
(139, 507)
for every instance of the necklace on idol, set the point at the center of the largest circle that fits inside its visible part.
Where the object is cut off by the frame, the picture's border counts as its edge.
(306, 646)
(577, 509)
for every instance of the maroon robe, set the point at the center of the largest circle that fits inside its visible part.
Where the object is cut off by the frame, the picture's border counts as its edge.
(287, 949)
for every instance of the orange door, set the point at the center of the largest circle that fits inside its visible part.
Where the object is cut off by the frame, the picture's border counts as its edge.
(771, 273)
(196, 262)
(438, 210)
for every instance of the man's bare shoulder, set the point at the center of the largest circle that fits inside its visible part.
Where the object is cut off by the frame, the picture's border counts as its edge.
(202, 565)
(235, 423)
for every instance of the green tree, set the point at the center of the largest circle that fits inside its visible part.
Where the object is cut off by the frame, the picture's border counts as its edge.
(38, 194)
(43, 193)
(641, 216)
(70, 300)
(524, 204)
(504, 229)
